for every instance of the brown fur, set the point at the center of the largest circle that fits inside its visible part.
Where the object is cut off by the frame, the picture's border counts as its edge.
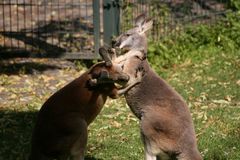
(61, 127)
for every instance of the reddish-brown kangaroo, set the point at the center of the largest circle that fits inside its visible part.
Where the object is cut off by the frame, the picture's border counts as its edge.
(165, 121)
(61, 127)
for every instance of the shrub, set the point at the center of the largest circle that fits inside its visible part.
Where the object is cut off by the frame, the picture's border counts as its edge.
(222, 36)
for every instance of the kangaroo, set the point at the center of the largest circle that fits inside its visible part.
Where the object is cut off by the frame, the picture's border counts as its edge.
(166, 125)
(61, 127)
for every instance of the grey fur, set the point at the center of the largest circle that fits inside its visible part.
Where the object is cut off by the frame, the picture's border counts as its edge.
(166, 125)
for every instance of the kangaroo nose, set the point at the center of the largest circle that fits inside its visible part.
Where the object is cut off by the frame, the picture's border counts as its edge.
(115, 43)
(123, 78)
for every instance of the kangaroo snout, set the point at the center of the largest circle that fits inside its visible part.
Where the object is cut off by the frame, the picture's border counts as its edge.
(115, 43)
(120, 78)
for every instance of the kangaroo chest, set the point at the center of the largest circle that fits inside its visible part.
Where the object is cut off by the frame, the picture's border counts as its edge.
(135, 101)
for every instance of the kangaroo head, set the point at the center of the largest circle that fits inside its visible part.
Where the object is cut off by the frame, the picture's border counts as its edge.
(135, 38)
(107, 73)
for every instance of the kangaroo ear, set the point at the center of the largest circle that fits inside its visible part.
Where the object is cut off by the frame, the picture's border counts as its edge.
(148, 23)
(143, 23)
(103, 51)
(139, 20)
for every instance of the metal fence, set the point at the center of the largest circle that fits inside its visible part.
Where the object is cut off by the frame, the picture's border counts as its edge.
(76, 28)
(46, 27)
(172, 16)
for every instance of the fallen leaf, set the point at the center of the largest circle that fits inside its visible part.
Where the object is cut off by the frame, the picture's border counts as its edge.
(238, 82)
(116, 124)
(1, 89)
(204, 107)
(221, 101)
(228, 98)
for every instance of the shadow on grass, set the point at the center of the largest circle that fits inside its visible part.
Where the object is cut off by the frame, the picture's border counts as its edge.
(15, 134)
(91, 158)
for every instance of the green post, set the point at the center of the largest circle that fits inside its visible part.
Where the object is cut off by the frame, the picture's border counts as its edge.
(111, 19)
(96, 24)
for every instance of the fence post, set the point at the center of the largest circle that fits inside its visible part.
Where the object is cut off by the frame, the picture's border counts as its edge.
(111, 19)
(96, 26)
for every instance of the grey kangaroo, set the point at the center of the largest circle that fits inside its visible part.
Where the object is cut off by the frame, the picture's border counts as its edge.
(166, 125)
(61, 127)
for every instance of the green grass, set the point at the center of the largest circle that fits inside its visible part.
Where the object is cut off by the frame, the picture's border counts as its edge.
(210, 86)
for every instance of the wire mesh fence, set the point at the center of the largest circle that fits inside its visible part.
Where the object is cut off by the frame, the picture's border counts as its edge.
(53, 28)
(171, 16)
(46, 27)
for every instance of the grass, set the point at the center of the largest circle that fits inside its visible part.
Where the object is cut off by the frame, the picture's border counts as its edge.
(211, 88)
(210, 85)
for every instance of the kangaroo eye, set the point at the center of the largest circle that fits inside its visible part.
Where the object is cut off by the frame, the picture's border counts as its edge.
(127, 34)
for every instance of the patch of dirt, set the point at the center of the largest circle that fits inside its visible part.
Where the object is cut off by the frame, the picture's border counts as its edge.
(29, 81)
